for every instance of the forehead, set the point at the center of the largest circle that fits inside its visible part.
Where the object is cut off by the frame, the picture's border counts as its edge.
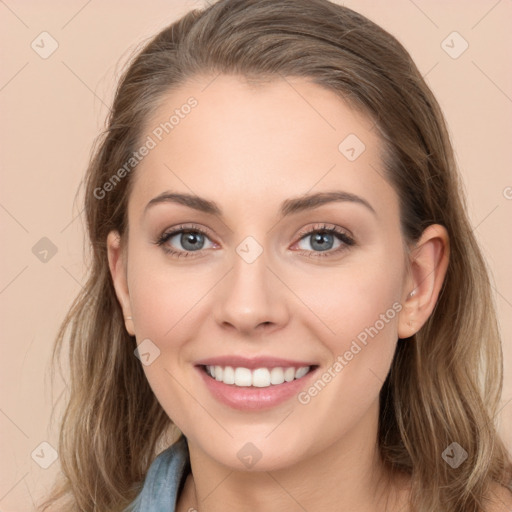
(233, 141)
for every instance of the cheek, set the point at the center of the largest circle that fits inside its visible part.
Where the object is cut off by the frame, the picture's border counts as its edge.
(362, 292)
(163, 299)
(348, 385)
(358, 307)
(163, 295)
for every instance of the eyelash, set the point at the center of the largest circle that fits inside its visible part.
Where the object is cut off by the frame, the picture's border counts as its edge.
(341, 234)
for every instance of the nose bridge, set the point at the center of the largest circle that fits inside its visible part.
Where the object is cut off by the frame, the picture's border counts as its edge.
(250, 295)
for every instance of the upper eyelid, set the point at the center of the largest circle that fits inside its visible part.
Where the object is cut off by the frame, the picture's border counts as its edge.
(180, 229)
(325, 226)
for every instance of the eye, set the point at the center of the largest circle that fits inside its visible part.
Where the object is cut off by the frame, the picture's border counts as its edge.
(322, 238)
(190, 238)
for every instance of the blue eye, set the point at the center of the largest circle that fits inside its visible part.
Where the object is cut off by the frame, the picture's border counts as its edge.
(192, 239)
(322, 239)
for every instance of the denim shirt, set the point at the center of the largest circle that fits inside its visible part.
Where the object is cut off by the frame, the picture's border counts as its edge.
(164, 480)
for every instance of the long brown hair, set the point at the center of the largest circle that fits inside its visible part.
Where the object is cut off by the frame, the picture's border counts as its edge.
(445, 382)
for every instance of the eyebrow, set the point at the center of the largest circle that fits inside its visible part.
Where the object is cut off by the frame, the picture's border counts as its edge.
(288, 207)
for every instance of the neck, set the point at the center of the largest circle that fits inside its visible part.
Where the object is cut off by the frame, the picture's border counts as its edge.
(346, 475)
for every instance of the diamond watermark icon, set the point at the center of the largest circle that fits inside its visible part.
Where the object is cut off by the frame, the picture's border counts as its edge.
(44, 45)
(249, 455)
(454, 45)
(454, 455)
(44, 455)
(351, 147)
(44, 250)
(249, 249)
(147, 352)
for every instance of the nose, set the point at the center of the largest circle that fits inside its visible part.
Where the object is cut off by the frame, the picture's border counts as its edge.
(251, 299)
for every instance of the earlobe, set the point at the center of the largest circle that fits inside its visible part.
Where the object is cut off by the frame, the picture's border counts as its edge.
(428, 266)
(117, 266)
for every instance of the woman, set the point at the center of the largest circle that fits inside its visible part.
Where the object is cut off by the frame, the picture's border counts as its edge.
(286, 304)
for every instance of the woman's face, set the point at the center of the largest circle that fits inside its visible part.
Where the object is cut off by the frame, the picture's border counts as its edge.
(264, 287)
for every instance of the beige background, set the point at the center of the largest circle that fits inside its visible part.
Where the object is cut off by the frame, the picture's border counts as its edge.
(51, 110)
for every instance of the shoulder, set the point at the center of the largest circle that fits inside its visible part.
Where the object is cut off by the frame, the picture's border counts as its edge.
(500, 499)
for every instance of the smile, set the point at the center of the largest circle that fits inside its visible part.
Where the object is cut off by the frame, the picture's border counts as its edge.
(259, 377)
(257, 388)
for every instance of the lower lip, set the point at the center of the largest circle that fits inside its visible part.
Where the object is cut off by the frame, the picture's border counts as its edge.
(254, 398)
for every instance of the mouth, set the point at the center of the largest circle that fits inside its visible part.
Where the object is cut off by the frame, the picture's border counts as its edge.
(266, 384)
(259, 377)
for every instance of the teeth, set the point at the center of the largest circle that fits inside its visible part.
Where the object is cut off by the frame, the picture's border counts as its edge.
(301, 372)
(276, 376)
(228, 377)
(243, 377)
(260, 378)
(289, 374)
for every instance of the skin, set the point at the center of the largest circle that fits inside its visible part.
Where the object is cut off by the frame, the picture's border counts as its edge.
(249, 147)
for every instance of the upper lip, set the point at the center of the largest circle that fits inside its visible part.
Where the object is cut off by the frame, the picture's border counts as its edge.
(253, 362)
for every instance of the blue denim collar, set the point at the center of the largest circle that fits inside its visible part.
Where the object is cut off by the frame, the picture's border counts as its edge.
(164, 480)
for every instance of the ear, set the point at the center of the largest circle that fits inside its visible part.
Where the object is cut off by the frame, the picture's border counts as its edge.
(117, 265)
(428, 262)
